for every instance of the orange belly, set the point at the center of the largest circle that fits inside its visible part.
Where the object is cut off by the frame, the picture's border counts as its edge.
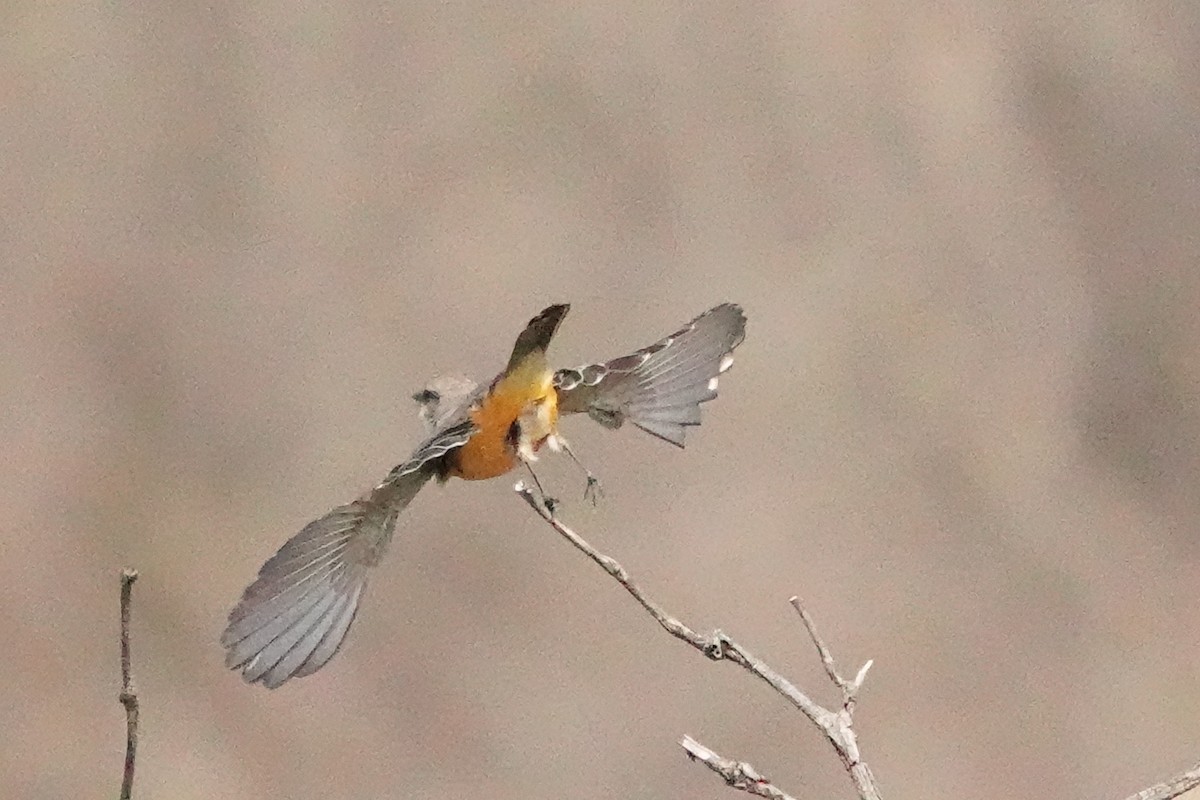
(490, 452)
(487, 454)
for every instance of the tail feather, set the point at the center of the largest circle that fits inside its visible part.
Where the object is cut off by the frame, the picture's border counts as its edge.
(537, 334)
(660, 387)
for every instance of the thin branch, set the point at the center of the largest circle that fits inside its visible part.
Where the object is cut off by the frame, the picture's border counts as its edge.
(837, 726)
(1171, 787)
(716, 646)
(737, 774)
(849, 688)
(128, 696)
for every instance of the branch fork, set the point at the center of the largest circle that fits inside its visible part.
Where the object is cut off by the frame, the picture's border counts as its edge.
(836, 725)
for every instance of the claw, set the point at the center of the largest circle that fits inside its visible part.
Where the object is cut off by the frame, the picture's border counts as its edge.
(593, 492)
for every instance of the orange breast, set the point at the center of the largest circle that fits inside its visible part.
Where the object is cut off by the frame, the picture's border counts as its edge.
(489, 453)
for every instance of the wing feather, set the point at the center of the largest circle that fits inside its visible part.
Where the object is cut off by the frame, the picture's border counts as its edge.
(295, 615)
(659, 388)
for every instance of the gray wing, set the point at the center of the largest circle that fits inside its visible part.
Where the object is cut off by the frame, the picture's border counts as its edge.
(293, 618)
(659, 388)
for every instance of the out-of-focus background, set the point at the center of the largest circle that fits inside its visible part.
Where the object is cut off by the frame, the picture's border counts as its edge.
(964, 425)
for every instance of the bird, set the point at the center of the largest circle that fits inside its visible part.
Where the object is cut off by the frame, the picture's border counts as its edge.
(295, 615)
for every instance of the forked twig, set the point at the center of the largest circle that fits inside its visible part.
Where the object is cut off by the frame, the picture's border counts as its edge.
(836, 725)
(849, 688)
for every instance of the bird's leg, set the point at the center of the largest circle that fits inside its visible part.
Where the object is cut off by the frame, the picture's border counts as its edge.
(593, 491)
(550, 503)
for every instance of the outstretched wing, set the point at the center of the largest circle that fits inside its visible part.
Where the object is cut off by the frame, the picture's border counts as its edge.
(293, 618)
(659, 388)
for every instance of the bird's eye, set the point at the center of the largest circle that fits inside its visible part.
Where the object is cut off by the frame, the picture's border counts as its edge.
(426, 396)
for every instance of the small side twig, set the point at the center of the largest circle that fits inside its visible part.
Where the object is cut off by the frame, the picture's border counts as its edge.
(1171, 787)
(128, 696)
(836, 725)
(737, 774)
(849, 688)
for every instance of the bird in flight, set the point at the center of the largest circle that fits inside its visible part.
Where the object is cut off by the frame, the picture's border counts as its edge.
(293, 618)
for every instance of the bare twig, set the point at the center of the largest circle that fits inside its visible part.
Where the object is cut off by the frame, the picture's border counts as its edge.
(1171, 787)
(849, 688)
(737, 774)
(836, 725)
(128, 695)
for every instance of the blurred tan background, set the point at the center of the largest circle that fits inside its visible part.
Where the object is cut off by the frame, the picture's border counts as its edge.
(964, 425)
